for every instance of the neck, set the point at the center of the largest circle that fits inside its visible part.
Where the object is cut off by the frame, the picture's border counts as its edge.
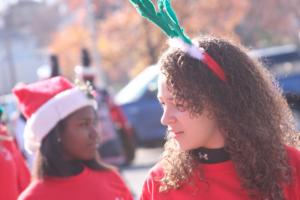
(74, 168)
(65, 169)
(210, 156)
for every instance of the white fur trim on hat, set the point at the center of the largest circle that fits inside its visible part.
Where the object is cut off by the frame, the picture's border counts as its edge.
(193, 50)
(50, 113)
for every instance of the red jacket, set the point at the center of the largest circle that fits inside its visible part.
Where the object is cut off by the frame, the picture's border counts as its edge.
(14, 174)
(221, 182)
(89, 184)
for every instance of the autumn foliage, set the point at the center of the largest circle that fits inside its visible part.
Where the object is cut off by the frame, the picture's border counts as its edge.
(128, 43)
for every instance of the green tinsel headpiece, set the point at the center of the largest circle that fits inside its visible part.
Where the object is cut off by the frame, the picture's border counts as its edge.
(1, 112)
(165, 18)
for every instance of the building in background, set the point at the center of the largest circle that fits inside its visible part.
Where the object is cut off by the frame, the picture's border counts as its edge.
(19, 62)
(25, 28)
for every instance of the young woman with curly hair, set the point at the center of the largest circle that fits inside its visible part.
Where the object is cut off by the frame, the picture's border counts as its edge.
(230, 130)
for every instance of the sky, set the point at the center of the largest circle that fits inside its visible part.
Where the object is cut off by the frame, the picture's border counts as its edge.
(5, 3)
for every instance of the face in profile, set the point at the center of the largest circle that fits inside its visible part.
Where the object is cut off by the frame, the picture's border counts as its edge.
(190, 132)
(79, 137)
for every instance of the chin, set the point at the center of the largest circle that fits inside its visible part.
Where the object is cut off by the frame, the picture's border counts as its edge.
(88, 157)
(185, 147)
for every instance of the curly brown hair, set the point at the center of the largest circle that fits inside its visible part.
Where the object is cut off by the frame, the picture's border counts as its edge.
(249, 108)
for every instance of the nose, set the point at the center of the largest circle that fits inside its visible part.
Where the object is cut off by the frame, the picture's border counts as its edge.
(167, 118)
(93, 132)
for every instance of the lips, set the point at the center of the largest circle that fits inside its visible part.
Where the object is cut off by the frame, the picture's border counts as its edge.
(94, 145)
(175, 133)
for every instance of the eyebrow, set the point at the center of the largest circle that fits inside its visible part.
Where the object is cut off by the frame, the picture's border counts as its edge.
(85, 118)
(82, 119)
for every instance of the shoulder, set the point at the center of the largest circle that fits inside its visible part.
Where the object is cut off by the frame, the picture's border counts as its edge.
(294, 160)
(114, 183)
(293, 154)
(108, 173)
(292, 190)
(33, 191)
(152, 182)
(112, 176)
(156, 172)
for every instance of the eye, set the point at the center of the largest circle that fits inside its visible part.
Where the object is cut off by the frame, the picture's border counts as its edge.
(162, 104)
(84, 123)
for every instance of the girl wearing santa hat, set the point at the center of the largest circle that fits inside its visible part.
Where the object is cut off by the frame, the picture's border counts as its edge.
(61, 131)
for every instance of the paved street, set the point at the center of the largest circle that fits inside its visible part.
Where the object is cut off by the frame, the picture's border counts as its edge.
(136, 173)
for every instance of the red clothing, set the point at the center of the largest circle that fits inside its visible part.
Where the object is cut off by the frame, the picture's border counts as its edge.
(14, 174)
(89, 184)
(221, 182)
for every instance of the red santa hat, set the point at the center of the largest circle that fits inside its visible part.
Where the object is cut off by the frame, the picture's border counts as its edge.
(44, 104)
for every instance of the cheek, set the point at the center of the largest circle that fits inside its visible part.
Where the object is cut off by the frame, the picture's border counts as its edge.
(72, 146)
(200, 128)
(204, 124)
(74, 139)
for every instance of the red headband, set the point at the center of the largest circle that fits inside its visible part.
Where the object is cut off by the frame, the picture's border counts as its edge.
(214, 66)
(199, 53)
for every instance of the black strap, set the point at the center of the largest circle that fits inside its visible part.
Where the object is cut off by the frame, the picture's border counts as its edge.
(205, 155)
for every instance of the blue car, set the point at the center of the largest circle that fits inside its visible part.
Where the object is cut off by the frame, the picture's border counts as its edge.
(291, 87)
(139, 102)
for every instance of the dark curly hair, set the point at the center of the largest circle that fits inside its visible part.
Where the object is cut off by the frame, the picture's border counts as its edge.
(249, 108)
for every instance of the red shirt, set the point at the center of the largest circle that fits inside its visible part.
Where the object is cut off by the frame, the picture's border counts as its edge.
(88, 185)
(14, 174)
(221, 182)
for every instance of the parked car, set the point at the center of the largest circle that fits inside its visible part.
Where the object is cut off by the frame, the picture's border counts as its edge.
(139, 102)
(290, 84)
(284, 62)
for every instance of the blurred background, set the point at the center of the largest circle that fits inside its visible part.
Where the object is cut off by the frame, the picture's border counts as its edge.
(123, 45)
(122, 42)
